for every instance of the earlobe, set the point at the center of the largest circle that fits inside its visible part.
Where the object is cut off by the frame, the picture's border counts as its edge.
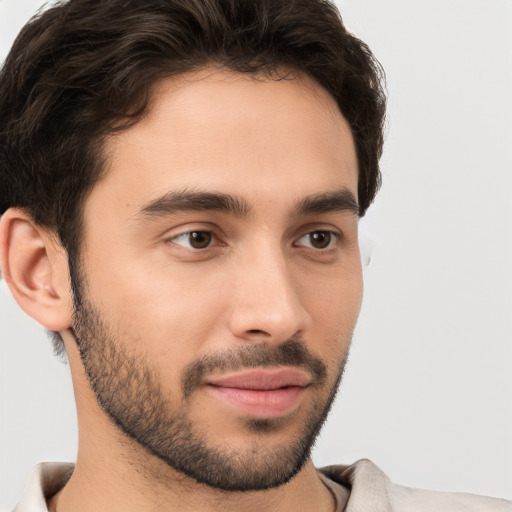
(35, 269)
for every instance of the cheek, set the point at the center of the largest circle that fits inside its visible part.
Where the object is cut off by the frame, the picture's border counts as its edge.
(334, 291)
(167, 313)
(334, 309)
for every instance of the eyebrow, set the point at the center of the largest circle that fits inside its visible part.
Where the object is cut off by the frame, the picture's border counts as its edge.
(186, 200)
(173, 202)
(341, 200)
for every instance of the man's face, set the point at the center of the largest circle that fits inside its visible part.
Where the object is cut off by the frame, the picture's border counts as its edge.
(220, 275)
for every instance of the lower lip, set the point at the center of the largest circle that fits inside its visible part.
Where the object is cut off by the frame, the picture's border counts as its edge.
(270, 403)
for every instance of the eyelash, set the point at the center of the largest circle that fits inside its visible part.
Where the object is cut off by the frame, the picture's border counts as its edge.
(188, 235)
(333, 239)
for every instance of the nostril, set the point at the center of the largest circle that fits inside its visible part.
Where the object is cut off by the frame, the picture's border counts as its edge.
(258, 331)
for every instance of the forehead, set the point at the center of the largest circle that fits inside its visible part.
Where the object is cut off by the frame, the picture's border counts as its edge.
(233, 133)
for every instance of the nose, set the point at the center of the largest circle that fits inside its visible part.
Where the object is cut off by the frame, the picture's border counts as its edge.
(266, 301)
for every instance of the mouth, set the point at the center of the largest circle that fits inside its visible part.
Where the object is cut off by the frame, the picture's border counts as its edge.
(261, 393)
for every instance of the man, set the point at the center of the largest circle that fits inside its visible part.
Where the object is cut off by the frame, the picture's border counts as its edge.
(183, 181)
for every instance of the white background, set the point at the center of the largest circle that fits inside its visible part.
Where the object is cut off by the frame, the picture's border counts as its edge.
(427, 393)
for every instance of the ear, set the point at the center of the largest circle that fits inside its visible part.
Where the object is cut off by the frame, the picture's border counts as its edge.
(35, 267)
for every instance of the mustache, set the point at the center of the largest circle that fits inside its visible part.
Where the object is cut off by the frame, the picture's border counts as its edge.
(292, 352)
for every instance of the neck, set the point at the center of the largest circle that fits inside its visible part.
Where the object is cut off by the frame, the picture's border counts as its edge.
(109, 484)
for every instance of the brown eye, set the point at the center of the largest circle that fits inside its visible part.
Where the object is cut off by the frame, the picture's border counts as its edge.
(318, 240)
(194, 239)
(200, 239)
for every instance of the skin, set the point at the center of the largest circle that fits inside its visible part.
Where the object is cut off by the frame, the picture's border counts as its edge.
(261, 281)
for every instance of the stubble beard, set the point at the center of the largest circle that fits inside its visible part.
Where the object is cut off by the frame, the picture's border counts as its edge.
(129, 391)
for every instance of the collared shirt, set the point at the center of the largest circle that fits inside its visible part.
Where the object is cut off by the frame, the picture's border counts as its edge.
(370, 491)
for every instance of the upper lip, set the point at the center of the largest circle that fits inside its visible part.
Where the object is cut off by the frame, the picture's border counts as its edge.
(263, 379)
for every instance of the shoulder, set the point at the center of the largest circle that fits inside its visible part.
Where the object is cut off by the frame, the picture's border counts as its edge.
(372, 491)
(45, 480)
